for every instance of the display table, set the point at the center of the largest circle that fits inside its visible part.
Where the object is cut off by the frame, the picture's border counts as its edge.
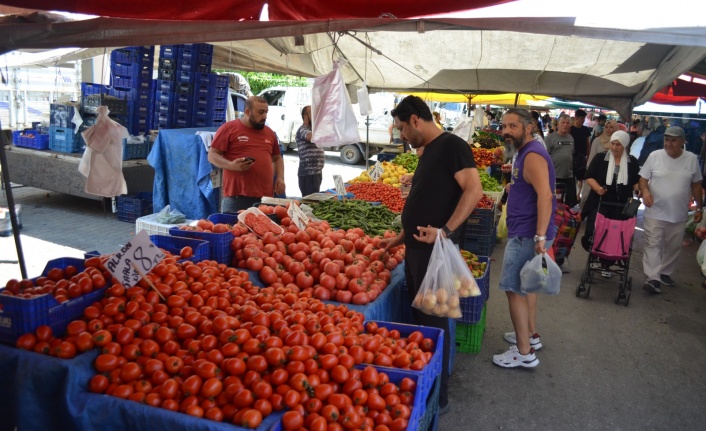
(182, 173)
(58, 172)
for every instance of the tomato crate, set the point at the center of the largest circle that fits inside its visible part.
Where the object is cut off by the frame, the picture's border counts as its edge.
(32, 139)
(428, 374)
(218, 243)
(470, 336)
(22, 315)
(130, 208)
(229, 219)
(153, 227)
(174, 244)
(64, 140)
(472, 307)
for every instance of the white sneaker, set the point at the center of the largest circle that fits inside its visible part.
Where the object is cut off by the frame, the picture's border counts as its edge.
(512, 358)
(535, 341)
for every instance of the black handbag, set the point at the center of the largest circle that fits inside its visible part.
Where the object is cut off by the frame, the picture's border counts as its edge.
(631, 207)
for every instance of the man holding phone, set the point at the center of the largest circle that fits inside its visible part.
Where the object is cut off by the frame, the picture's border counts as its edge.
(248, 152)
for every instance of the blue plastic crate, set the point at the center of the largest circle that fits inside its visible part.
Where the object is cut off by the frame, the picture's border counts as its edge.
(129, 82)
(218, 123)
(61, 115)
(201, 122)
(64, 140)
(473, 307)
(184, 88)
(220, 93)
(130, 208)
(162, 85)
(219, 104)
(202, 79)
(20, 315)
(229, 219)
(219, 114)
(218, 243)
(133, 54)
(481, 244)
(428, 374)
(168, 64)
(193, 49)
(166, 74)
(169, 51)
(134, 150)
(219, 81)
(165, 98)
(174, 244)
(184, 76)
(162, 121)
(116, 105)
(91, 88)
(31, 139)
(194, 64)
(183, 122)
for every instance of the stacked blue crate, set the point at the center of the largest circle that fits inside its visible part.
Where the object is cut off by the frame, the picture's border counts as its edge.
(210, 99)
(131, 77)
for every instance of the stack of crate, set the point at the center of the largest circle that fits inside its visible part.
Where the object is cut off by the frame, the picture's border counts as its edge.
(61, 129)
(131, 78)
(182, 69)
(93, 96)
(210, 100)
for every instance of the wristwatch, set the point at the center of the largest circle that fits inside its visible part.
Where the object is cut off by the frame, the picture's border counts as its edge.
(447, 231)
(538, 238)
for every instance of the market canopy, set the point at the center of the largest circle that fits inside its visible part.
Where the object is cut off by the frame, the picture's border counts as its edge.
(540, 56)
(506, 99)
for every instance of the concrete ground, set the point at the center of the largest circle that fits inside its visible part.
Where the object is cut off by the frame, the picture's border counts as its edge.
(603, 366)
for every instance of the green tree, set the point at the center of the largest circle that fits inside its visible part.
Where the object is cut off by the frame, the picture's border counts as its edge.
(261, 80)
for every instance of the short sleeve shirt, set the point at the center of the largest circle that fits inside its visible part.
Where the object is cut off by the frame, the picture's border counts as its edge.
(236, 140)
(311, 157)
(670, 184)
(561, 150)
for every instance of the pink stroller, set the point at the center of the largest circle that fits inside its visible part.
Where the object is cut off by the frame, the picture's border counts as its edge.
(611, 247)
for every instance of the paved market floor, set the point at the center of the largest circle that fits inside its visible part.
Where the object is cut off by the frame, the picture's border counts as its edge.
(603, 366)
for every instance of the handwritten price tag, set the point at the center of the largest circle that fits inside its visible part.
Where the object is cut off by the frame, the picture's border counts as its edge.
(134, 259)
(377, 171)
(340, 188)
(298, 217)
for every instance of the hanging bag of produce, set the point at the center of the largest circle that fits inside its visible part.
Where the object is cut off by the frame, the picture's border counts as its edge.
(540, 275)
(437, 295)
(463, 280)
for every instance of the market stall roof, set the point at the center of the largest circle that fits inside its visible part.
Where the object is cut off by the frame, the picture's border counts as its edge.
(543, 56)
(507, 99)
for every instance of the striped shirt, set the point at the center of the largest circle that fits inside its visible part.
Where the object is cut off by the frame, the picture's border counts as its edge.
(311, 157)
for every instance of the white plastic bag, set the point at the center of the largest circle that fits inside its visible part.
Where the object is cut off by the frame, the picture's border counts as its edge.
(334, 121)
(463, 280)
(366, 108)
(700, 257)
(464, 129)
(437, 296)
(540, 275)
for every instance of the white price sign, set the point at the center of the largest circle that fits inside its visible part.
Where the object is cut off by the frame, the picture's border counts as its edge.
(134, 260)
(298, 217)
(340, 188)
(377, 171)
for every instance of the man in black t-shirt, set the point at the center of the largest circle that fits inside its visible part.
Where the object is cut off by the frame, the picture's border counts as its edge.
(582, 142)
(445, 189)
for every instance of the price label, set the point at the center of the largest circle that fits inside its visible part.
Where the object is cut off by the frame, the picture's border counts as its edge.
(134, 260)
(298, 217)
(377, 171)
(340, 188)
(476, 144)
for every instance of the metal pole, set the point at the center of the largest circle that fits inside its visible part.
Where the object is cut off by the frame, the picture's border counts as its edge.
(517, 97)
(367, 142)
(11, 205)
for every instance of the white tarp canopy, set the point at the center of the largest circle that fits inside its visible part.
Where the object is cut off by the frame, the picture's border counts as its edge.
(542, 56)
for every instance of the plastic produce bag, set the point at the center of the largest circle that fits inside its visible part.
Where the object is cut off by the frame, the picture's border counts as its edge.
(540, 275)
(439, 292)
(334, 121)
(502, 224)
(170, 216)
(364, 104)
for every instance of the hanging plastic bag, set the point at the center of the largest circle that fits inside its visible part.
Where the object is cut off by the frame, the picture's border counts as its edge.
(464, 129)
(334, 121)
(540, 275)
(366, 108)
(463, 280)
(502, 223)
(438, 294)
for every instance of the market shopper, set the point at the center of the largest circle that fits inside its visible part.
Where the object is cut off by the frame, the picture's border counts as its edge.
(582, 142)
(601, 119)
(667, 179)
(248, 152)
(560, 146)
(530, 206)
(599, 144)
(447, 181)
(311, 157)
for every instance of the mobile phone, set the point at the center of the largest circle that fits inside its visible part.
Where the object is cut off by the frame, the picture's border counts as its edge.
(249, 159)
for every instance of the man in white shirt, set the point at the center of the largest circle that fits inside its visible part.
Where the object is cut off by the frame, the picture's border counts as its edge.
(667, 179)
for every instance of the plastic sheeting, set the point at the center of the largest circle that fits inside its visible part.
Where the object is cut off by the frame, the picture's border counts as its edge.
(182, 174)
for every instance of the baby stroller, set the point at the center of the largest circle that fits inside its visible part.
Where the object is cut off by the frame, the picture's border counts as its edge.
(611, 248)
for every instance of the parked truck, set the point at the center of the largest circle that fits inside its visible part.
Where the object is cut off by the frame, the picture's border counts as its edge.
(284, 117)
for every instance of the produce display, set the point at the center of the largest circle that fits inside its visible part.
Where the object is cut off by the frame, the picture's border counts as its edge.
(63, 284)
(207, 226)
(488, 183)
(477, 268)
(221, 349)
(389, 196)
(485, 202)
(488, 139)
(407, 160)
(483, 157)
(258, 222)
(391, 175)
(373, 220)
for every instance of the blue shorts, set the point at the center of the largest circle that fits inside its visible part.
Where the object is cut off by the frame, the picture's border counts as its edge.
(518, 251)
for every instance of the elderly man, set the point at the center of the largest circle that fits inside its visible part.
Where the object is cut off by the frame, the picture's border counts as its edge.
(667, 179)
(248, 152)
(560, 145)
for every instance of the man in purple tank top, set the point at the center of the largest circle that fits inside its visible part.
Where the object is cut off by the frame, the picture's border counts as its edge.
(530, 206)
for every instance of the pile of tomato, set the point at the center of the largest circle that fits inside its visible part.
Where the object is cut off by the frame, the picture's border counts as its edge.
(63, 284)
(208, 226)
(388, 195)
(345, 266)
(485, 202)
(223, 349)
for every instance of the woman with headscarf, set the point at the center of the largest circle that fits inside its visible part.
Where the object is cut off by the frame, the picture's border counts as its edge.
(612, 176)
(599, 144)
